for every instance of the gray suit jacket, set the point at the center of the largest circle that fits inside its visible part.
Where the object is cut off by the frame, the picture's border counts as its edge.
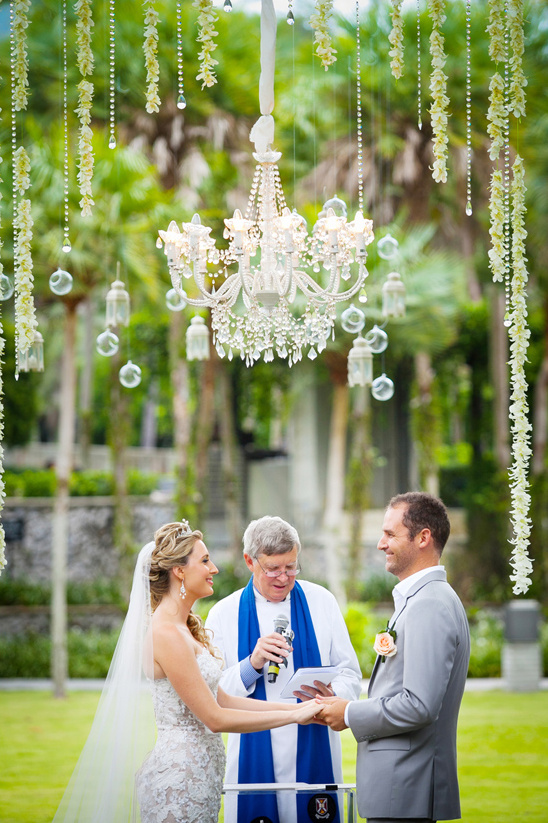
(407, 729)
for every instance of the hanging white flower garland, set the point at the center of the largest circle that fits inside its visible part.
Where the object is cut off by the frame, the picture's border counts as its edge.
(206, 34)
(438, 87)
(521, 427)
(150, 48)
(395, 38)
(322, 37)
(85, 91)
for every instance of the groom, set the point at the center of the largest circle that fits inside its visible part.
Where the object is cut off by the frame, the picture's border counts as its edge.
(406, 730)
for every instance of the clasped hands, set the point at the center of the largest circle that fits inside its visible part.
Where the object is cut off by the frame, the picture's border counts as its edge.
(274, 647)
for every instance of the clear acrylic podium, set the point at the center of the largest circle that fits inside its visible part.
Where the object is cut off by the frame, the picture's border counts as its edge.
(345, 791)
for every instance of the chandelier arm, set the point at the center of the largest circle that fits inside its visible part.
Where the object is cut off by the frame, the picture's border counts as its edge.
(303, 278)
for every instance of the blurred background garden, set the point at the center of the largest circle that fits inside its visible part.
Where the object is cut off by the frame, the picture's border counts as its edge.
(99, 466)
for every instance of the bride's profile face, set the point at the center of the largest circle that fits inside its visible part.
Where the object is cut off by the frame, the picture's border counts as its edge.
(199, 571)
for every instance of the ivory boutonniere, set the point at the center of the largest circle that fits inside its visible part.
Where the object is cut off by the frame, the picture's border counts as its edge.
(385, 643)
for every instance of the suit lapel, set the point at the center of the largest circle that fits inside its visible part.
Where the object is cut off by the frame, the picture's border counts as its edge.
(440, 574)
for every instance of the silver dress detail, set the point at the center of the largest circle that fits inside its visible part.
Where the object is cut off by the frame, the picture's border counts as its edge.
(182, 777)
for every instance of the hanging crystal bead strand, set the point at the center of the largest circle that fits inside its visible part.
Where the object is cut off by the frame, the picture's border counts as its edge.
(181, 102)
(112, 83)
(14, 189)
(419, 75)
(359, 108)
(290, 16)
(66, 237)
(468, 113)
(506, 176)
(362, 296)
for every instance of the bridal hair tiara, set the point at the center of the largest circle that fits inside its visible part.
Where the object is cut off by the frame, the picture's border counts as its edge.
(185, 528)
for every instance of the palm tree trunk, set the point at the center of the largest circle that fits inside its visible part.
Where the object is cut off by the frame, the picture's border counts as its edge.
(205, 419)
(426, 424)
(358, 484)
(334, 492)
(182, 417)
(86, 384)
(118, 440)
(63, 468)
(230, 463)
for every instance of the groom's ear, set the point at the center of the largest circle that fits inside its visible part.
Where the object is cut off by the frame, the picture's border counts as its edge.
(425, 538)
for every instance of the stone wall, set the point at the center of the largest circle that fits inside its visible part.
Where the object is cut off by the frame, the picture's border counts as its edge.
(92, 554)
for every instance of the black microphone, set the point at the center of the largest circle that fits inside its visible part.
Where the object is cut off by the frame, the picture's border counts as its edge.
(280, 626)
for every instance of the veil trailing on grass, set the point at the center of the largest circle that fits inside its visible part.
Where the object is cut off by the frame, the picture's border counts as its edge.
(101, 789)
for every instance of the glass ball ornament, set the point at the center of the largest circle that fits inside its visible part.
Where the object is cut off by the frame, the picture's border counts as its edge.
(335, 203)
(387, 247)
(353, 320)
(130, 375)
(377, 339)
(382, 388)
(6, 287)
(60, 282)
(174, 301)
(107, 343)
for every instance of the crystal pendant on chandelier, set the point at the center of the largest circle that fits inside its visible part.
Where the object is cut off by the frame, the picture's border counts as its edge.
(283, 293)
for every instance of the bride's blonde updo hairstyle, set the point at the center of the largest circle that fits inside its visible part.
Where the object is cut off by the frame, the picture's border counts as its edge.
(174, 543)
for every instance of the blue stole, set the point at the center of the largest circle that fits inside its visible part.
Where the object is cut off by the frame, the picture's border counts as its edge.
(256, 764)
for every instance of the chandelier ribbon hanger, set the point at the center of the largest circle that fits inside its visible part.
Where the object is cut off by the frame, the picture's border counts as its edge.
(271, 303)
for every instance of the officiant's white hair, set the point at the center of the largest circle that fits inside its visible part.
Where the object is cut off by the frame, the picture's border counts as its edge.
(270, 535)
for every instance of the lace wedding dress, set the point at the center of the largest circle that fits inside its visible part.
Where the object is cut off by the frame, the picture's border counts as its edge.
(182, 777)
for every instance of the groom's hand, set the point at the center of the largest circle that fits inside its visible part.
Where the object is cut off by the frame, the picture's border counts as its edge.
(332, 712)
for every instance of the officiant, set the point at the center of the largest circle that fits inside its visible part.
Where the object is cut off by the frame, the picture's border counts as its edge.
(253, 628)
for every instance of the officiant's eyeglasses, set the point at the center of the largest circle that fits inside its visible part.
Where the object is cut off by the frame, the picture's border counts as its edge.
(290, 571)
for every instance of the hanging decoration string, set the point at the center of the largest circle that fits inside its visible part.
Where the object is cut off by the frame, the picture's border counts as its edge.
(150, 49)
(2, 486)
(112, 74)
(395, 38)
(322, 37)
(66, 233)
(468, 207)
(181, 102)
(25, 317)
(521, 427)
(359, 124)
(497, 131)
(438, 88)
(206, 34)
(419, 68)
(85, 63)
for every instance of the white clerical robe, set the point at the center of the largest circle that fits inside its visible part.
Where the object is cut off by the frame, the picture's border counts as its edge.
(335, 650)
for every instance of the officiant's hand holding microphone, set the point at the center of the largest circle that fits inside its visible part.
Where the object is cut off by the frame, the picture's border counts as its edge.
(273, 648)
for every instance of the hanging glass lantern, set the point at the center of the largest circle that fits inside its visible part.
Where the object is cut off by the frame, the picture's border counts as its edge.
(360, 363)
(130, 375)
(393, 296)
(382, 388)
(107, 343)
(6, 287)
(33, 358)
(197, 340)
(117, 305)
(60, 282)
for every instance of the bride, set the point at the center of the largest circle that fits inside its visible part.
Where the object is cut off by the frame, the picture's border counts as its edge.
(164, 653)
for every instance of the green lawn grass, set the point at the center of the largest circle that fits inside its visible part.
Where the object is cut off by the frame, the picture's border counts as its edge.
(503, 745)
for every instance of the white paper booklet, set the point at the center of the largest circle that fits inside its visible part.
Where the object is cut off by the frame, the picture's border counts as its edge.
(306, 677)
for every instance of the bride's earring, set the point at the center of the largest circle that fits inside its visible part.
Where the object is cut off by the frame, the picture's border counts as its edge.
(183, 590)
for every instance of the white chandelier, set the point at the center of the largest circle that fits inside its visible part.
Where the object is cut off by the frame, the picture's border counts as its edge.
(281, 296)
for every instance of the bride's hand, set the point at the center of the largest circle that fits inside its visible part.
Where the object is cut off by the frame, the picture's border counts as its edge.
(306, 712)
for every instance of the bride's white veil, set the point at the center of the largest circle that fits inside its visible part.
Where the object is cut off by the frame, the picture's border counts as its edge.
(101, 789)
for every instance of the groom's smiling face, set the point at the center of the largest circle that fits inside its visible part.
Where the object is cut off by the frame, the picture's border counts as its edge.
(402, 553)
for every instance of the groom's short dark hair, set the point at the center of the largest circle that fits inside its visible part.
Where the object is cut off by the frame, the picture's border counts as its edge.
(424, 511)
